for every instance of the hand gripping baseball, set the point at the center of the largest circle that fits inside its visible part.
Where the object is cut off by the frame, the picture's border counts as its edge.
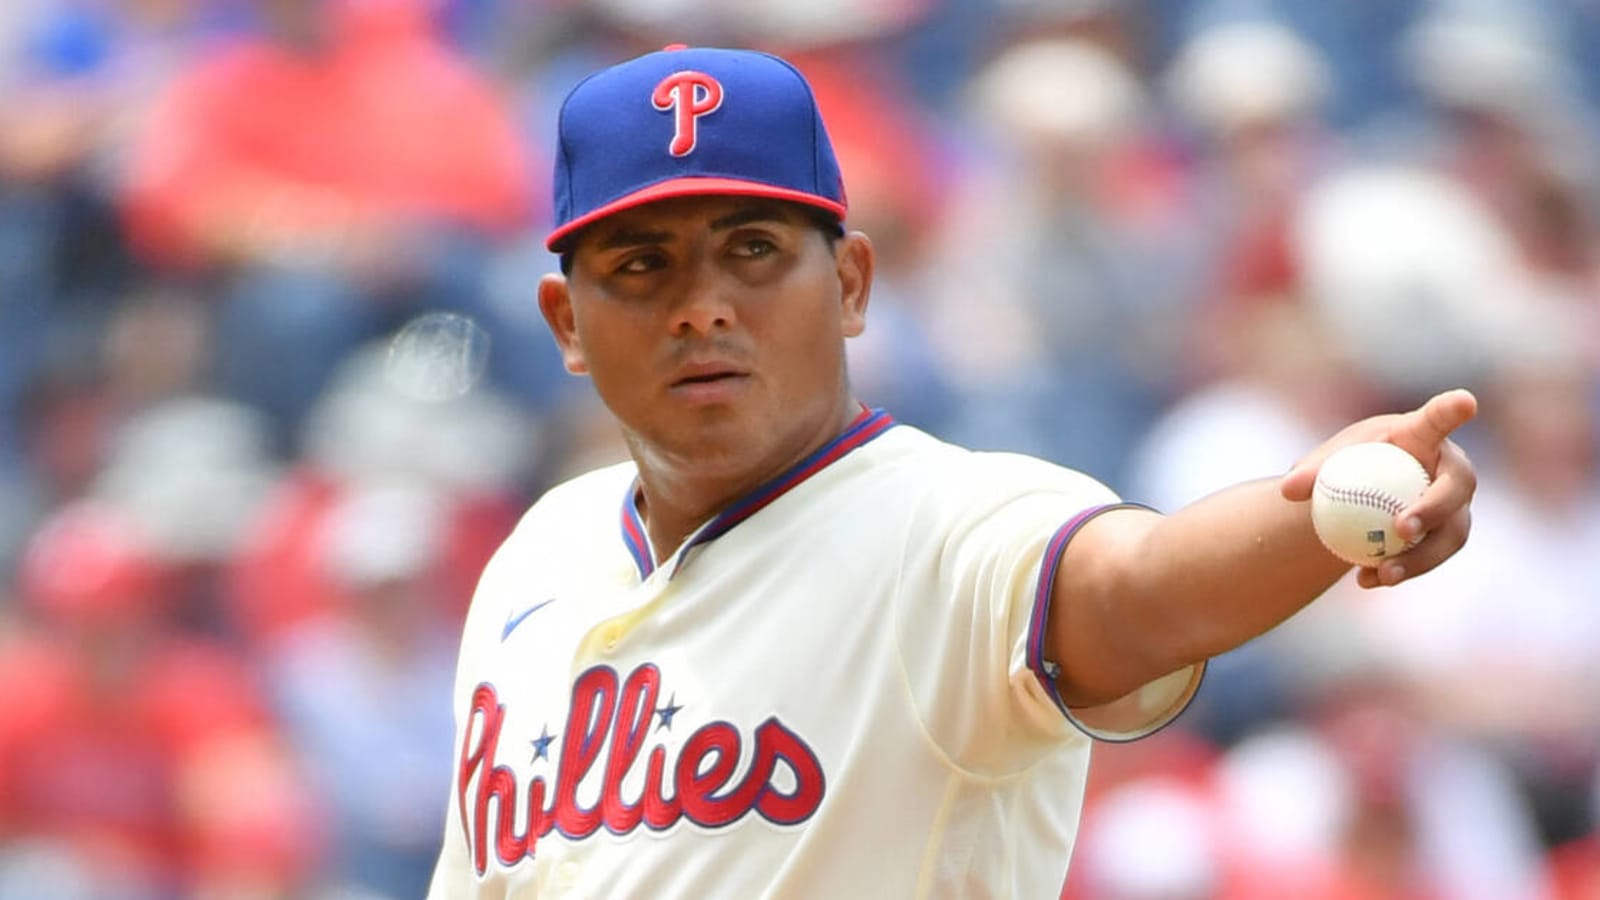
(1442, 514)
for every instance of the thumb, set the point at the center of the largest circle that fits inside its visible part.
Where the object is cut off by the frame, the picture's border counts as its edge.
(1422, 431)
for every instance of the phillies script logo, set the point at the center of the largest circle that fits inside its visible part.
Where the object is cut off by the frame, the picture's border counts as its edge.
(613, 719)
(688, 96)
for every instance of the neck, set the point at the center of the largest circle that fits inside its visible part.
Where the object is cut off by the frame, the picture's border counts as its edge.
(678, 496)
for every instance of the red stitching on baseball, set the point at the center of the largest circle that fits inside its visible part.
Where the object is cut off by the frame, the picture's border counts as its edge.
(1373, 497)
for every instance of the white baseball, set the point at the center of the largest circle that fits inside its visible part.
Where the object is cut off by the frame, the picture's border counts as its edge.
(1360, 490)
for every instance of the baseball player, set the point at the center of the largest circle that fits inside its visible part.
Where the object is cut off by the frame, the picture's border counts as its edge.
(793, 649)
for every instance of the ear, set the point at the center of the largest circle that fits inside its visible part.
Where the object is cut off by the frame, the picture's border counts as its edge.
(855, 259)
(555, 302)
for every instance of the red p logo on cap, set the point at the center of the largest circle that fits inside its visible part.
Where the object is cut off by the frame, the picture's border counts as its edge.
(688, 95)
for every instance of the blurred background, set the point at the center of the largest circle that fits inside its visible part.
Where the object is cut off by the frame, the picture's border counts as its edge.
(273, 385)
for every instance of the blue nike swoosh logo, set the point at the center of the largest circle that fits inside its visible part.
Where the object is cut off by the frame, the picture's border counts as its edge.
(515, 619)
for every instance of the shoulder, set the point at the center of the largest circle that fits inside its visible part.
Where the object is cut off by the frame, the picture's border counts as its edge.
(580, 512)
(607, 481)
(595, 496)
(573, 527)
(952, 474)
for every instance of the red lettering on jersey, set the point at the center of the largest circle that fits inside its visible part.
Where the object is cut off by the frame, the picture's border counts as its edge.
(697, 785)
(634, 714)
(604, 716)
(688, 95)
(499, 784)
(659, 812)
(775, 742)
(587, 725)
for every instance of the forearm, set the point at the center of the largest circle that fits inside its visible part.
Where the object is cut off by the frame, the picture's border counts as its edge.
(1228, 568)
(1161, 593)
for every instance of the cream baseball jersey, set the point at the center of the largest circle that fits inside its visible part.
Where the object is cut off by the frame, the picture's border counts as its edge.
(835, 688)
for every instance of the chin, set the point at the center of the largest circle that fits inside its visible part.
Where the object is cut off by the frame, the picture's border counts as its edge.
(754, 439)
(729, 445)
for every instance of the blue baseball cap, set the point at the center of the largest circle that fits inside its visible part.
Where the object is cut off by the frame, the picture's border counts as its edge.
(684, 122)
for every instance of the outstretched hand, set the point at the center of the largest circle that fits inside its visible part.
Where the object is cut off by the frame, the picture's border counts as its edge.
(1443, 512)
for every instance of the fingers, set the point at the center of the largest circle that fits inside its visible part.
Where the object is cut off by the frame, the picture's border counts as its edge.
(1442, 518)
(1299, 482)
(1439, 545)
(1423, 430)
(1454, 483)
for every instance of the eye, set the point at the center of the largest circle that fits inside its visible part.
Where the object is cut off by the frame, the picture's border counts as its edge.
(641, 263)
(754, 248)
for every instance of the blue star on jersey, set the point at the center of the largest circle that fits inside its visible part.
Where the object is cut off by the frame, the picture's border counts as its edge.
(667, 712)
(541, 744)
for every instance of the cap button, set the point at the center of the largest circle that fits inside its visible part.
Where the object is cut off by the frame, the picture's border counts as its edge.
(676, 47)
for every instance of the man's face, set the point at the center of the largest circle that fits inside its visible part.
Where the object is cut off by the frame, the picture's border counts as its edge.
(713, 328)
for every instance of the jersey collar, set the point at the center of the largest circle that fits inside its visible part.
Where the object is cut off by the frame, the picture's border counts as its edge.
(862, 429)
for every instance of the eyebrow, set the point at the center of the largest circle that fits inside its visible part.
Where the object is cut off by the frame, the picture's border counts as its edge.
(764, 212)
(630, 237)
(633, 238)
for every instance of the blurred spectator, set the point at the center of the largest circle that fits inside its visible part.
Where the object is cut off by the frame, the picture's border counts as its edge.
(193, 471)
(1113, 858)
(1387, 253)
(472, 453)
(1251, 94)
(1516, 133)
(1062, 283)
(330, 201)
(1363, 804)
(364, 689)
(1432, 814)
(1232, 78)
(142, 753)
(1369, 804)
(148, 354)
(1356, 42)
(187, 473)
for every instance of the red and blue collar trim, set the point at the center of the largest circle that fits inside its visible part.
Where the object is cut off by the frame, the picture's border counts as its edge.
(861, 430)
(633, 533)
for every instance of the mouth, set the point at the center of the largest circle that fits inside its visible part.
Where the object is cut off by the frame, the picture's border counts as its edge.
(708, 373)
(709, 381)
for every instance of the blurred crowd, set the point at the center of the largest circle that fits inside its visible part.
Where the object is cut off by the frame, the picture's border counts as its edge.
(273, 385)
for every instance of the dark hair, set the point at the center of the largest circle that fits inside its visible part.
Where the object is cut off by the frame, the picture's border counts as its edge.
(826, 222)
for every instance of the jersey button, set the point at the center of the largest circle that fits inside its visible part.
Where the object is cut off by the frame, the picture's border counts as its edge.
(610, 636)
(567, 874)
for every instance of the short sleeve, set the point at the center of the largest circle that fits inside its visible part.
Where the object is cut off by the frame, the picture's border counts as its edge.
(1148, 709)
(975, 602)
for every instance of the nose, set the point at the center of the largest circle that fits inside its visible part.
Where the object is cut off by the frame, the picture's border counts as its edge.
(704, 308)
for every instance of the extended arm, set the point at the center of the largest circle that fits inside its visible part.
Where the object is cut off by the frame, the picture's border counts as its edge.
(1140, 595)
